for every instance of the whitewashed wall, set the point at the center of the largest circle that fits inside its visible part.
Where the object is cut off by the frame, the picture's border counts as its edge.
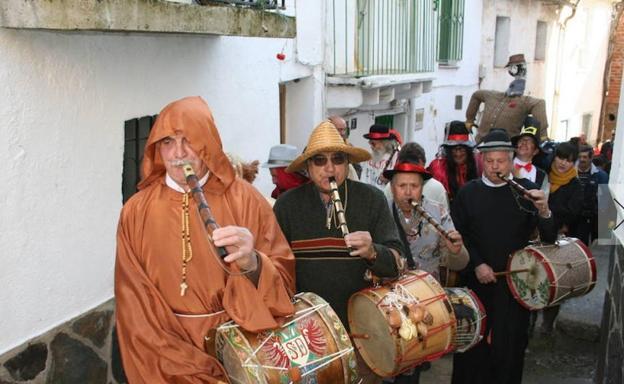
(523, 22)
(63, 101)
(584, 52)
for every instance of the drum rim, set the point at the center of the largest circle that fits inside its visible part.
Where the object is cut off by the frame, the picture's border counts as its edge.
(472, 296)
(592, 264)
(305, 296)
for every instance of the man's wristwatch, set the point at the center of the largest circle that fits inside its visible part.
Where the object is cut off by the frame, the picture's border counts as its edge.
(548, 216)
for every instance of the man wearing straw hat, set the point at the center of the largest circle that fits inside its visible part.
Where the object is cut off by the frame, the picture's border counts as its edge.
(495, 221)
(329, 263)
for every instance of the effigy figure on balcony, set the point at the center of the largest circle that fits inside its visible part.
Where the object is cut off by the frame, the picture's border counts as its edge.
(507, 109)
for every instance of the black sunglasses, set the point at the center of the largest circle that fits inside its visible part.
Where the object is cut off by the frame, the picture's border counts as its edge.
(336, 159)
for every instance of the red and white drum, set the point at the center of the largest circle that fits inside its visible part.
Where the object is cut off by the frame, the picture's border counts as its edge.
(470, 317)
(311, 347)
(402, 324)
(543, 275)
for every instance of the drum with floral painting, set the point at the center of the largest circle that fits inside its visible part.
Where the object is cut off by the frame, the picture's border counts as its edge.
(543, 275)
(312, 346)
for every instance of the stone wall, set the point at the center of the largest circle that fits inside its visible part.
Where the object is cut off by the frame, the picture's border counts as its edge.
(611, 358)
(82, 350)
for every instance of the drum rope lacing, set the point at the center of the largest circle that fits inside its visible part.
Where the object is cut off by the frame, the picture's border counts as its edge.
(570, 267)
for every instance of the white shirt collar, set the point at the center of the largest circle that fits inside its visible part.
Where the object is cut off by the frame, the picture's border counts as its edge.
(489, 183)
(176, 187)
(523, 174)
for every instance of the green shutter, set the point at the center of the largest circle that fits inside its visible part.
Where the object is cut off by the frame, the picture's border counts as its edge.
(450, 30)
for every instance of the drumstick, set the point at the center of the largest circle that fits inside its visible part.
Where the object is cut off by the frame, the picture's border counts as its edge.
(517, 186)
(504, 273)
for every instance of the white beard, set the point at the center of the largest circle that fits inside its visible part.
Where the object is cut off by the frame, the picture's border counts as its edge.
(378, 155)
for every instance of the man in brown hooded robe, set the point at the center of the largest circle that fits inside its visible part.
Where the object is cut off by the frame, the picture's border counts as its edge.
(170, 288)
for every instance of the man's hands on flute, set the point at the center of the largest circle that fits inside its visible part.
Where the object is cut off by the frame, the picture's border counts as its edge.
(538, 197)
(362, 244)
(454, 245)
(239, 243)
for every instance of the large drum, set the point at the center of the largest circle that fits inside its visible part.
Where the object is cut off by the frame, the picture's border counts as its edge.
(543, 275)
(402, 324)
(311, 347)
(470, 318)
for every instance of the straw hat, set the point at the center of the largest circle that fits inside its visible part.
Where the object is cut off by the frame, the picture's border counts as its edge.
(325, 138)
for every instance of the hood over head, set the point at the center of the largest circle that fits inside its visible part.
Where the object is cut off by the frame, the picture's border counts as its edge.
(192, 117)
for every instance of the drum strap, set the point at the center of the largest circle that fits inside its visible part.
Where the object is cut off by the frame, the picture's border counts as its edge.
(406, 245)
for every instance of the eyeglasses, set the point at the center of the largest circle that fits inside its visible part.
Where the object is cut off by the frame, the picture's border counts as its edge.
(336, 159)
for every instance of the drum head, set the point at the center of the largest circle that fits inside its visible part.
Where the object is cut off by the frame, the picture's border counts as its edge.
(470, 317)
(378, 349)
(532, 289)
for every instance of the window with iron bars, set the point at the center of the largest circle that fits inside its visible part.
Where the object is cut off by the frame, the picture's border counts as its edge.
(450, 31)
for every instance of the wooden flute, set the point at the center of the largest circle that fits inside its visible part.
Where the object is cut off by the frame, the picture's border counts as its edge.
(431, 220)
(335, 197)
(202, 205)
(516, 185)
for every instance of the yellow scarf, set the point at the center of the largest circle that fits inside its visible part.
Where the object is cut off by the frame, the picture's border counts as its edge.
(558, 179)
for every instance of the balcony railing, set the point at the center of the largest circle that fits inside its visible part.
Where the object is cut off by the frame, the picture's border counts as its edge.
(381, 37)
(262, 4)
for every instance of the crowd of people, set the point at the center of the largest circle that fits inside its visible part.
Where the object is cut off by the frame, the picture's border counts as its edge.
(193, 256)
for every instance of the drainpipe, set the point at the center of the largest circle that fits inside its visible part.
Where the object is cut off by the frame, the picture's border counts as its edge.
(559, 62)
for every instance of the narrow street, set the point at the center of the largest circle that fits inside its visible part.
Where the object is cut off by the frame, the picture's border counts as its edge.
(569, 356)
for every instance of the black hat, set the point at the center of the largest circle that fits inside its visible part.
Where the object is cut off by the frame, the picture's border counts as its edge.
(458, 134)
(496, 140)
(531, 128)
(378, 132)
(407, 167)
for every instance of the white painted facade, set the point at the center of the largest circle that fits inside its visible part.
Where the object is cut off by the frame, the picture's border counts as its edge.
(576, 85)
(64, 98)
(422, 103)
(570, 76)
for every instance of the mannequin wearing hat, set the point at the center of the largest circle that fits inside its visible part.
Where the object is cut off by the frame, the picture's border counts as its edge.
(458, 164)
(495, 221)
(384, 146)
(507, 109)
(327, 263)
(527, 145)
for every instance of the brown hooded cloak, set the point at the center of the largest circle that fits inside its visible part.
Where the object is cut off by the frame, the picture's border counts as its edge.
(157, 344)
